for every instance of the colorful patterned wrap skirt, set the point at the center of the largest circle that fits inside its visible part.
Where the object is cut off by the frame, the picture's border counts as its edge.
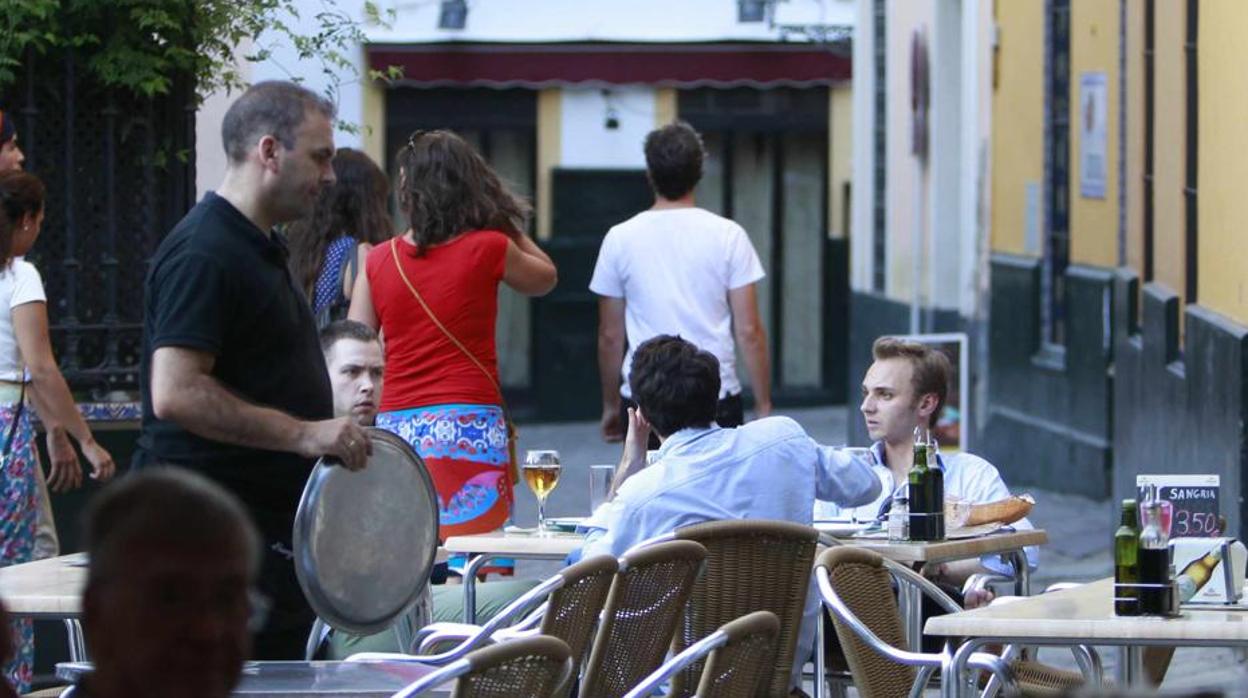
(465, 449)
(19, 513)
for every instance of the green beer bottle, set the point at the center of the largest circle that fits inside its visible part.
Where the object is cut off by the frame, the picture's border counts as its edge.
(1127, 561)
(924, 490)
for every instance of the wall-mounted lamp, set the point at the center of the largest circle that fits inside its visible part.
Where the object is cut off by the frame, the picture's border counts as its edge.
(453, 15)
(612, 120)
(751, 10)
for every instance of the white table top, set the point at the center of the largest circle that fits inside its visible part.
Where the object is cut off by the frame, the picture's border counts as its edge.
(959, 549)
(49, 588)
(1086, 613)
(554, 546)
(322, 678)
(52, 588)
(558, 545)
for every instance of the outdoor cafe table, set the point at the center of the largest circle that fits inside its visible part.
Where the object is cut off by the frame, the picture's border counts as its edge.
(48, 589)
(1085, 615)
(521, 545)
(1008, 544)
(298, 679)
(51, 589)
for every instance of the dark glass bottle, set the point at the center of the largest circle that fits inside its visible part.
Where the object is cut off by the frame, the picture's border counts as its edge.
(1127, 561)
(1154, 563)
(938, 487)
(926, 486)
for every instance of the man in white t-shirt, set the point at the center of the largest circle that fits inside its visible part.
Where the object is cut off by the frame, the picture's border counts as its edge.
(681, 270)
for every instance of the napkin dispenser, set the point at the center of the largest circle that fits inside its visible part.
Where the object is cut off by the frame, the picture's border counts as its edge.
(1208, 570)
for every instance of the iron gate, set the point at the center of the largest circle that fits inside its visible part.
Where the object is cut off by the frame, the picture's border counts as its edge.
(120, 173)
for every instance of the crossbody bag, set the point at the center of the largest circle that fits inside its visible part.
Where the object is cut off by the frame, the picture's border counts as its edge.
(513, 472)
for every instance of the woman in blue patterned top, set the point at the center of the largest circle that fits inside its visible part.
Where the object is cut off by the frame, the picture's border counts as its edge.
(329, 247)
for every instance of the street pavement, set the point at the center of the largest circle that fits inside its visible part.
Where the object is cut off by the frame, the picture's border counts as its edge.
(1078, 549)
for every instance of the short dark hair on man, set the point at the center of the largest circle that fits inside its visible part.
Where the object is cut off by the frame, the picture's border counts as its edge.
(674, 156)
(273, 107)
(675, 383)
(164, 506)
(346, 329)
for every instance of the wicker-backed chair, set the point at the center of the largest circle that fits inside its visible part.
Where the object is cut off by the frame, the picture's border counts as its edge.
(751, 565)
(535, 667)
(740, 655)
(641, 615)
(573, 598)
(856, 586)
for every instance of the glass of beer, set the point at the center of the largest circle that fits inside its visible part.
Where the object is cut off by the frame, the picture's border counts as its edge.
(541, 471)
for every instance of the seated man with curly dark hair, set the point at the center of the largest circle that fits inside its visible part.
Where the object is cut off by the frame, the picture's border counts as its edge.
(767, 469)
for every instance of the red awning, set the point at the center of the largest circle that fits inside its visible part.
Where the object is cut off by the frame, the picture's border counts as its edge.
(676, 65)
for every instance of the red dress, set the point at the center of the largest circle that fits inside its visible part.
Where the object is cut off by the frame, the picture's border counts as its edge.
(434, 396)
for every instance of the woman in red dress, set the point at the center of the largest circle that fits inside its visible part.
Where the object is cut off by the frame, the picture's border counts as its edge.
(433, 294)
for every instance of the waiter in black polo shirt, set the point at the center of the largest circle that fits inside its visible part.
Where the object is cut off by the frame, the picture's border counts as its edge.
(233, 380)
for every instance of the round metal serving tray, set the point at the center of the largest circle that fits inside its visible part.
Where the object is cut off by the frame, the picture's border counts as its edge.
(365, 541)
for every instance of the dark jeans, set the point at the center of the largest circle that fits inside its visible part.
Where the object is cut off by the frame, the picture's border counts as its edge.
(729, 413)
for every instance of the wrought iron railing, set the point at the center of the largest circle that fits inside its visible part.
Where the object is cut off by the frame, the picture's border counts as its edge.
(120, 173)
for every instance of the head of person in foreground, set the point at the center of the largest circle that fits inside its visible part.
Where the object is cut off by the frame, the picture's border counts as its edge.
(170, 600)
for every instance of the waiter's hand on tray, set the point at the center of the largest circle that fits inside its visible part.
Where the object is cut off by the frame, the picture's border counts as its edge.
(339, 438)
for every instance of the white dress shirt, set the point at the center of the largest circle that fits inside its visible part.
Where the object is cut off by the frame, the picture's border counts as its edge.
(767, 469)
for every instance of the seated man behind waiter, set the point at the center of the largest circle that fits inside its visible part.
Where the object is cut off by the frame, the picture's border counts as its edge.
(169, 601)
(766, 469)
(906, 387)
(356, 364)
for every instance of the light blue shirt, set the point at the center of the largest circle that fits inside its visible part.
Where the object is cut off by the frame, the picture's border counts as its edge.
(767, 469)
(966, 475)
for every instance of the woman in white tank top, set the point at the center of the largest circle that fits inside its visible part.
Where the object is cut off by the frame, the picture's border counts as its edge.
(25, 349)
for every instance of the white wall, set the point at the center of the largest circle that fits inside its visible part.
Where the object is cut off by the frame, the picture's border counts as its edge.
(283, 64)
(944, 198)
(604, 20)
(587, 142)
(943, 256)
(862, 192)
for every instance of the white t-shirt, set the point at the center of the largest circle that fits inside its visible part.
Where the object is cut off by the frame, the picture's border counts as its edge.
(674, 268)
(20, 284)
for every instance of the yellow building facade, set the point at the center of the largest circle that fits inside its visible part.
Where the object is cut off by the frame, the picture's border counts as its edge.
(1118, 190)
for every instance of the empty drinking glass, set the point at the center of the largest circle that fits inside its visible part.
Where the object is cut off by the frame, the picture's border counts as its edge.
(599, 485)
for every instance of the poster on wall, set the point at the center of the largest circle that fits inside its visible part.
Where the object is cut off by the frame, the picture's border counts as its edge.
(951, 426)
(1093, 135)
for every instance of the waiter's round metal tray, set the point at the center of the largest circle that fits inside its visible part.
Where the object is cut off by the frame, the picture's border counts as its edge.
(365, 541)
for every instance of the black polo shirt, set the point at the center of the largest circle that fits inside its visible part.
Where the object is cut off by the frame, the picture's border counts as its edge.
(221, 285)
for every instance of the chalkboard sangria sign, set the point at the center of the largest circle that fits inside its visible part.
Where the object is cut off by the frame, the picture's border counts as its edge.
(1193, 499)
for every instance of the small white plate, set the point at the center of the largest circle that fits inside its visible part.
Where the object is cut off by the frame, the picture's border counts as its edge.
(841, 527)
(565, 523)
